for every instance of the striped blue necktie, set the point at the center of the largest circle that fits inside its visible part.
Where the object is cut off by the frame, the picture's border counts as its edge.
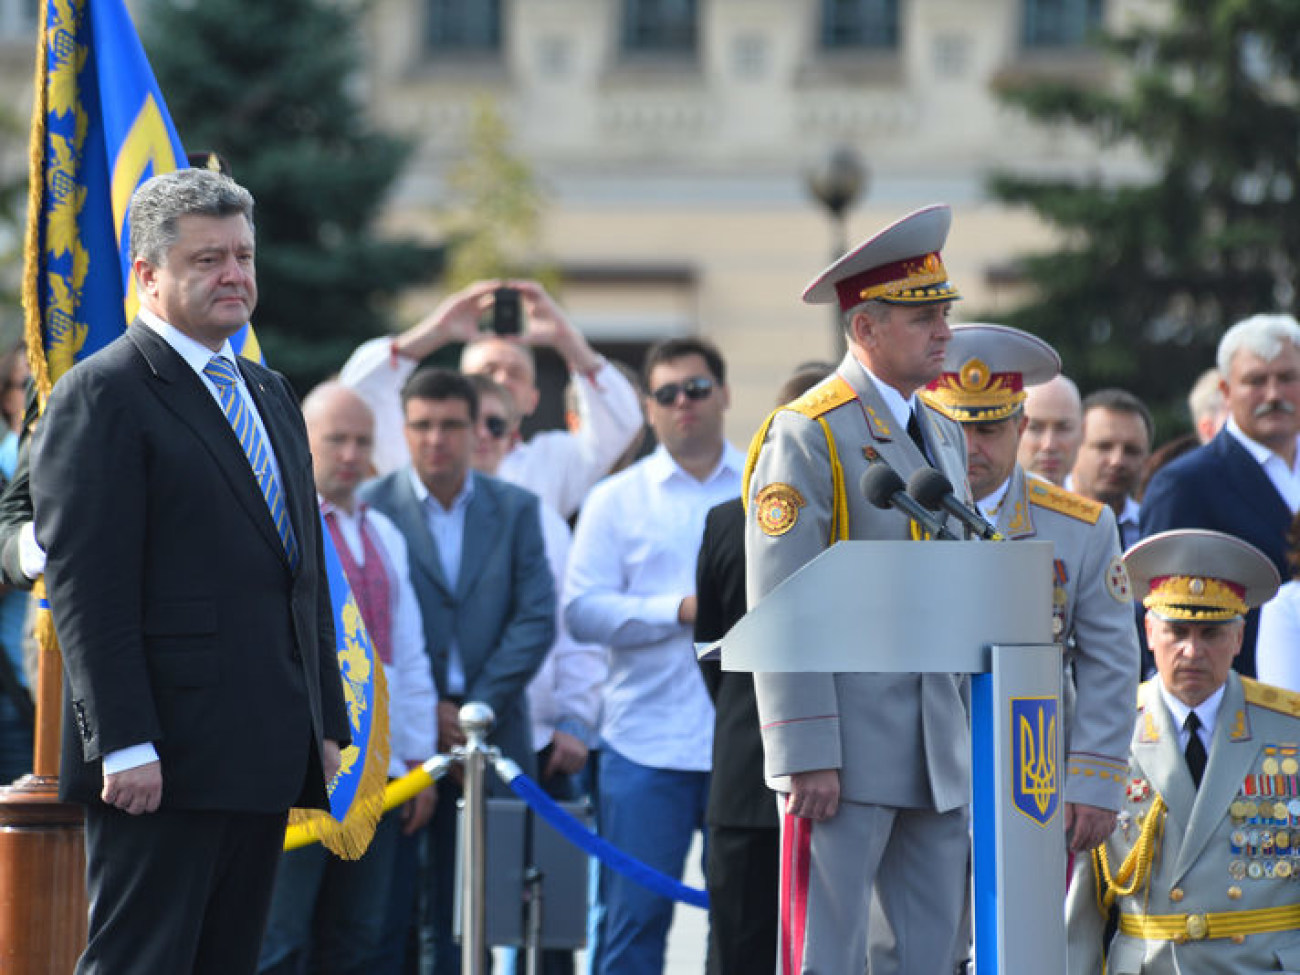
(222, 373)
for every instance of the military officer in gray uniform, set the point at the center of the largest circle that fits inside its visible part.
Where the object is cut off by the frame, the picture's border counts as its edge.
(1204, 877)
(983, 388)
(873, 770)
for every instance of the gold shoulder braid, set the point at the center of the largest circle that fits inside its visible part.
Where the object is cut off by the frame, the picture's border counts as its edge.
(1136, 869)
(1270, 697)
(1047, 495)
(821, 399)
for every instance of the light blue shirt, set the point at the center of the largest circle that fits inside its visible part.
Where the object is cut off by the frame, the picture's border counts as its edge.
(1207, 712)
(197, 356)
(447, 528)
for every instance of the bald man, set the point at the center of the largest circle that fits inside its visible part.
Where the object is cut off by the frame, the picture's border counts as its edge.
(324, 907)
(1054, 430)
(556, 465)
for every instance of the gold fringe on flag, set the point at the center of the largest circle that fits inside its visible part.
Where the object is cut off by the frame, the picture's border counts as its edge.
(349, 839)
(31, 298)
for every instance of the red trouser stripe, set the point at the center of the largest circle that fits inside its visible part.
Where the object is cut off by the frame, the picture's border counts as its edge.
(796, 860)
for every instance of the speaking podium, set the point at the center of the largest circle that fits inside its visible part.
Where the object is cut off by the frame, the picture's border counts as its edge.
(981, 608)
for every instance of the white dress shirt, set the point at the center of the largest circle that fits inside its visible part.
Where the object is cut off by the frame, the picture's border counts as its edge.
(412, 696)
(564, 694)
(1283, 477)
(558, 466)
(632, 564)
(990, 505)
(1277, 646)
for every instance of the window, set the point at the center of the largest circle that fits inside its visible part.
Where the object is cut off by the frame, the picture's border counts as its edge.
(1060, 23)
(468, 26)
(749, 56)
(849, 24)
(659, 26)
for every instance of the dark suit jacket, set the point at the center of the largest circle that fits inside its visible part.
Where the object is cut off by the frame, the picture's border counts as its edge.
(180, 620)
(1220, 486)
(738, 796)
(501, 611)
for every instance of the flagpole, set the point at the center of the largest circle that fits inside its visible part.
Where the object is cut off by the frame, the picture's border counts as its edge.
(43, 905)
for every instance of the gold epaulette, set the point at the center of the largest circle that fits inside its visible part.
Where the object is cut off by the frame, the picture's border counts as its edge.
(1270, 697)
(1044, 494)
(823, 398)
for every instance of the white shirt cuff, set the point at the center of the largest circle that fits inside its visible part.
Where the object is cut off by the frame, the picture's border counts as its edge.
(31, 557)
(129, 758)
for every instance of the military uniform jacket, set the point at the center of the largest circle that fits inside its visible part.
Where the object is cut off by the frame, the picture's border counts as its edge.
(898, 740)
(1092, 618)
(1217, 852)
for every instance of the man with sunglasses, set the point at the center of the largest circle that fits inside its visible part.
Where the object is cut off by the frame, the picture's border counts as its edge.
(631, 587)
(874, 769)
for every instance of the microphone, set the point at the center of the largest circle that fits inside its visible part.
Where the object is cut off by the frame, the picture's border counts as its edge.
(885, 489)
(934, 491)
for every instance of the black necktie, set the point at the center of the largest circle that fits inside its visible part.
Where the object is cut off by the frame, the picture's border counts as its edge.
(1195, 751)
(914, 431)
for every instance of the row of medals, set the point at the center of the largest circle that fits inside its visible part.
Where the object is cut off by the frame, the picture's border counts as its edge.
(1265, 842)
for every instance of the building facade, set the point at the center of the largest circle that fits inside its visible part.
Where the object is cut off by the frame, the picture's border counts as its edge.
(674, 140)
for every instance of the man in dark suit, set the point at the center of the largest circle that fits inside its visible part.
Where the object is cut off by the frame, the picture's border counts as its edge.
(479, 570)
(743, 869)
(202, 693)
(1245, 481)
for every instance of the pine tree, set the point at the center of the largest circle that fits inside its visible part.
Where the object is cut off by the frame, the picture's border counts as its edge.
(1152, 272)
(271, 87)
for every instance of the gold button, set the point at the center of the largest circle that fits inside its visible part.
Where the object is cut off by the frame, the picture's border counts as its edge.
(1234, 892)
(1238, 939)
(1176, 894)
(1197, 926)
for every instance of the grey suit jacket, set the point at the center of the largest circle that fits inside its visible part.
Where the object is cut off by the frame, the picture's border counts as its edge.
(1195, 868)
(898, 740)
(1093, 618)
(501, 612)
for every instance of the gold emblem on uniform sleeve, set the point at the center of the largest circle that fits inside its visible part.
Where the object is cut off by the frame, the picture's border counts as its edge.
(778, 508)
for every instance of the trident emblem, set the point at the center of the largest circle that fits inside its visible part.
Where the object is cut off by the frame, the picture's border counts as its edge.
(1036, 786)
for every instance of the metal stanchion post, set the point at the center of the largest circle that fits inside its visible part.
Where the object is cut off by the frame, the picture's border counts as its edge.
(533, 917)
(475, 720)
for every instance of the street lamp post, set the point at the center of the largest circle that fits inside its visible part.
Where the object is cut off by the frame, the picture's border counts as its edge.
(836, 182)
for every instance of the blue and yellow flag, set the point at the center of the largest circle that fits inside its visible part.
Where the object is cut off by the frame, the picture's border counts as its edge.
(100, 128)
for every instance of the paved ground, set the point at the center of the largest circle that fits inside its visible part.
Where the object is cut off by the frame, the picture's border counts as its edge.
(687, 937)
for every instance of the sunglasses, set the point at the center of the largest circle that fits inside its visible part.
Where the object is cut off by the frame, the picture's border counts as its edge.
(698, 388)
(496, 426)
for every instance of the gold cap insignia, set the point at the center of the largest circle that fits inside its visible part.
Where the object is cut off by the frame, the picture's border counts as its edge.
(778, 507)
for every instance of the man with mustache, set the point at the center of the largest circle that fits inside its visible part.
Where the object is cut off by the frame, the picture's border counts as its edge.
(1245, 481)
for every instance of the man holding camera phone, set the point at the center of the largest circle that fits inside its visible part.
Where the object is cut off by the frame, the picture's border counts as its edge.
(558, 466)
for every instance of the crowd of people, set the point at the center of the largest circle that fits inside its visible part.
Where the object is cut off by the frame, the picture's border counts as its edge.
(566, 580)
